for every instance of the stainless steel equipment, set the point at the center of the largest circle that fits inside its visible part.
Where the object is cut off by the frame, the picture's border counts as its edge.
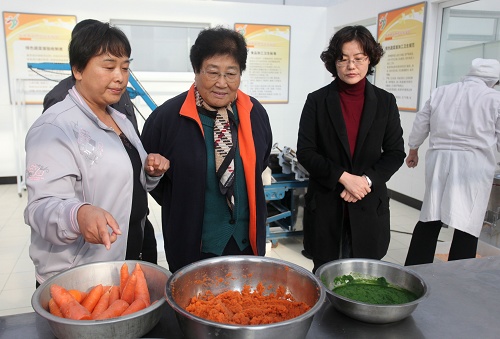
(289, 163)
(232, 273)
(393, 273)
(83, 277)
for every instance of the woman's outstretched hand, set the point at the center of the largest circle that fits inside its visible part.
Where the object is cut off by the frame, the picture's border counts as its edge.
(94, 223)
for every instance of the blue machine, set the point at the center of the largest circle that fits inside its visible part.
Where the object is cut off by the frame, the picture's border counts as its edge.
(283, 199)
(285, 196)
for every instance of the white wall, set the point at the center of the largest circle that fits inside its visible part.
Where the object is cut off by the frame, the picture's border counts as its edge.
(308, 38)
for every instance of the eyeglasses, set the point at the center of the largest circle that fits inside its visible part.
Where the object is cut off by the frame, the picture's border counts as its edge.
(355, 61)
(214, 75)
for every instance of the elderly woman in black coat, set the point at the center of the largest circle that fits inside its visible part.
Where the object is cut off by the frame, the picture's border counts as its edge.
(218, 140)
(351, 142)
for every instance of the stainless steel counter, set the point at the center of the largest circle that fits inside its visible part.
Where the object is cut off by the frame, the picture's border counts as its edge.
(463, 302)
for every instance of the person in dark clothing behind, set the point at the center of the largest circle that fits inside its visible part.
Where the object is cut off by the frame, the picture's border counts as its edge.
(146, 251)
(351, 142)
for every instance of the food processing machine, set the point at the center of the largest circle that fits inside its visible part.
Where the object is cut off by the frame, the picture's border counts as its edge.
(285, 196)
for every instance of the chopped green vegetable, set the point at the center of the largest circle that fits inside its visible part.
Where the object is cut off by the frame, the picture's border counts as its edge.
(377, 291)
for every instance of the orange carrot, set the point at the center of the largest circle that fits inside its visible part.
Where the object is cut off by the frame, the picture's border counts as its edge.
(123, 276)
(114, 294)
(101, 305)
(54, 309)
(70, 308)
(78, 295)
(137, 305)
(114, 310)
(129, 290)
(141, 286)
(93, 297)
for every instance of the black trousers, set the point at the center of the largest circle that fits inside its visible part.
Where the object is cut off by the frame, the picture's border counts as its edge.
(424, 241)
(149, 250)
(345, 250)
(142, 245)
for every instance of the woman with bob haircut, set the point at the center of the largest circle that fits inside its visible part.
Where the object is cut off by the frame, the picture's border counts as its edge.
(350, 141)
(218, 140)
(87, 172)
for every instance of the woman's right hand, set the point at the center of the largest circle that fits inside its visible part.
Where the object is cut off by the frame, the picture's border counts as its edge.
(94, 222)
(356, 187)
(347, 196)
(156, 164)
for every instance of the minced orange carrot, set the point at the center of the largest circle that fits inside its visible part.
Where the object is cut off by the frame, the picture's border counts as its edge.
(247, 307)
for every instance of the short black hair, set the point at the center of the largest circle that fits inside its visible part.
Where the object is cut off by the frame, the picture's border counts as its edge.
(218, 41)
(94, 40)
(362, 35)
(84, 23)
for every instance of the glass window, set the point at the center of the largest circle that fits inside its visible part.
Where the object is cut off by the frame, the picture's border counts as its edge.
(160, 46)
(469, 31)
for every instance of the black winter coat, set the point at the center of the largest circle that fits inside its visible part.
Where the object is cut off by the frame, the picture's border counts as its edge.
(174, 130)
(323, 149)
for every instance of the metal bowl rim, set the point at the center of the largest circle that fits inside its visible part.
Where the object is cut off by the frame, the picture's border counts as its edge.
(378, 262)
(49, 316)
(313, 310)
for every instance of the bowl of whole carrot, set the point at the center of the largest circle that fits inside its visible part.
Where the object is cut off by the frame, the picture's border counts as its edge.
(244, 297)
(118, 299)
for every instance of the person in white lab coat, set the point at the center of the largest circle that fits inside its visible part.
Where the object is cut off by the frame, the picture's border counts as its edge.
(462, 121)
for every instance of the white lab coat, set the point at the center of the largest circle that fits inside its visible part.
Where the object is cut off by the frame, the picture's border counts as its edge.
(462, 121)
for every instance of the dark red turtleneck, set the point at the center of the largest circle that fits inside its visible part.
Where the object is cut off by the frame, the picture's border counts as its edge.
(352, 99)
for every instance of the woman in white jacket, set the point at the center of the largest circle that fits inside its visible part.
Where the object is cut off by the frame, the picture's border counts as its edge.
(463, 124)
(87, 172)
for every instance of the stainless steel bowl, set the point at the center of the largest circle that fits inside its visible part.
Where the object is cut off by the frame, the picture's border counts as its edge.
(366, 268)
(232, 273)
(107, 273)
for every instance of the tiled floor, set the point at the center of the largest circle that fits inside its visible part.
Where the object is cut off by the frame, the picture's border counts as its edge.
(17, 271)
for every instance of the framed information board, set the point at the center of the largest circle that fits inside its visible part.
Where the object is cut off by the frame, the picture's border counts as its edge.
(35, 38)
(400, 32)
(268, 62)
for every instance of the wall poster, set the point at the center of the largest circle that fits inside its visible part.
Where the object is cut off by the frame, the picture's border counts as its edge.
(268, 62)
(35, 38)
(401, 32)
